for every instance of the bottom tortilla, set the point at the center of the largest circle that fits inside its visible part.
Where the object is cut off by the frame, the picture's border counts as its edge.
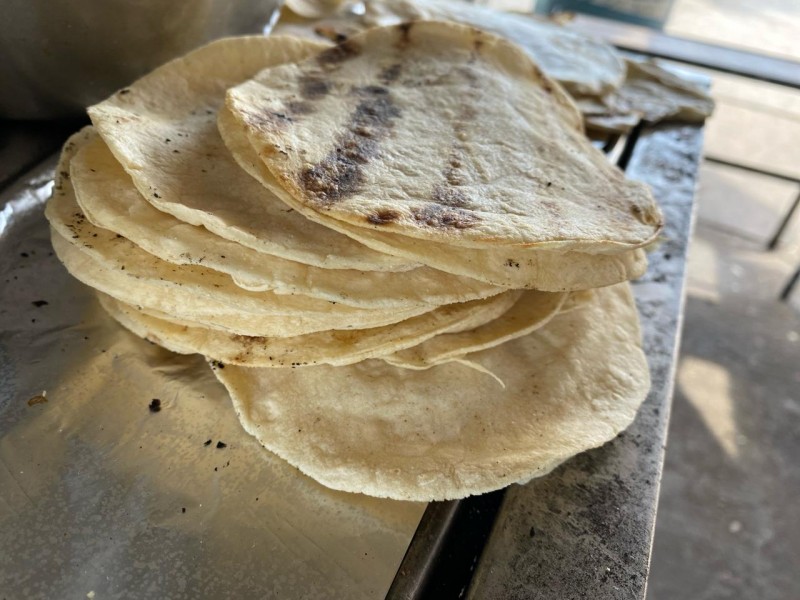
(451, 431)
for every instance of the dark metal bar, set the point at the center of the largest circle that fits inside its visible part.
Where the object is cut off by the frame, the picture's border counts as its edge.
(776, 237)
(787, 290)
(610, 143)
(630, 144)
(751, 169)
(447, 546)
(425, 546)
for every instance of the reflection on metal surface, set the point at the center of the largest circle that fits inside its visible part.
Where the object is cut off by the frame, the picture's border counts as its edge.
(100, 494)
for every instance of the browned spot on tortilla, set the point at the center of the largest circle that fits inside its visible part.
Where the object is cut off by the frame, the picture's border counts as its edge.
(338, 54)
(314, 87)
(469, 74)
(645, 216)
(468, 112)
(551, 206)
(405, 34)
(267, 120)
(339, 174)
(547, 86)
(453, 177)
(390, 73)
(449, 196)
(330, 33)
(383, 216)
(248, 340)
(299, 107)
(444, 217)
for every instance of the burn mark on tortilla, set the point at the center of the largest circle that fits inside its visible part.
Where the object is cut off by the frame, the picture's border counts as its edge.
(298, 107)
(453, 171)
(266, 121)
(444, 217)
(383, 216)
(449, 196)
(330, 33)
(369, 90)
(469, 74)
(338, 54)
(314, 87)
(405, 35)
(340, 173)
(391, 73)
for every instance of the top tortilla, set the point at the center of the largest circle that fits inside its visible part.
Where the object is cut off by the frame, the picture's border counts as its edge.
(441, 132)
(511, 267)
(162, 129)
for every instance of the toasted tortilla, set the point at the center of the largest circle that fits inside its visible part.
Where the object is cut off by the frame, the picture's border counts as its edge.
(452, 431)
(545, 269)
(162, 130)
(112, 264)
(444, 133)
(650, 94)
(334, 347)
(528, 314)
(109, 199)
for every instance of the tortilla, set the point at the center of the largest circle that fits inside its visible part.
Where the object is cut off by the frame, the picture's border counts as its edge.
(162, 130)
(325, 347)
(108, 198)
(441, 132)
(527, 315)
(651, 94)
(112, 264)
(451, 431)
(512, 267)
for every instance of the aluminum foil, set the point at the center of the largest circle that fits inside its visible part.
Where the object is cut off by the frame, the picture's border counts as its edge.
(102, 497)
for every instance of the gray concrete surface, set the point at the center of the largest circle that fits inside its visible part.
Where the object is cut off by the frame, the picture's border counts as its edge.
(728, 524)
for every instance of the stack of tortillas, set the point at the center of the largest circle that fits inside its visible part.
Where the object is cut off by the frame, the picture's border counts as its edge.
(402, 256)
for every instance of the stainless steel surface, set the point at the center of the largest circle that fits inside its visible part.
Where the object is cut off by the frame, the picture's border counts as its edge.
(59, 56)
(100, 494)
(586, 530)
